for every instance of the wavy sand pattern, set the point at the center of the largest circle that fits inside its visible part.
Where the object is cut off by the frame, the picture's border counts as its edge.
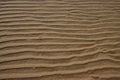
(59, 39)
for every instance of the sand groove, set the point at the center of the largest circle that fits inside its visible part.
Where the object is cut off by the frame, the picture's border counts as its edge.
(59, 39)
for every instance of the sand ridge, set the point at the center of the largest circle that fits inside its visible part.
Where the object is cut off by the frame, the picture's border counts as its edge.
(59, 40)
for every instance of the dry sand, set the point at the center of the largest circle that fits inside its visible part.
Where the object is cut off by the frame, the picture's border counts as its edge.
(59, 39)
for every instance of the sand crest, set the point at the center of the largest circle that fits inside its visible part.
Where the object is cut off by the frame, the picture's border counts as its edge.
(59, 39)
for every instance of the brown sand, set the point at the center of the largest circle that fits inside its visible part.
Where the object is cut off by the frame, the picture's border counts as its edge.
(59, 39)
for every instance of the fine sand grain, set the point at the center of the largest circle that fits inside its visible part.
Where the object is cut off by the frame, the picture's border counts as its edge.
(59, 39)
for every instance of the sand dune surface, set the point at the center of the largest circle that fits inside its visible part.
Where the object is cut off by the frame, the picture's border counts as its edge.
(59, 39)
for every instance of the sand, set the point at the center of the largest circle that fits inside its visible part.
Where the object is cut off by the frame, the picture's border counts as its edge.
(59, 39)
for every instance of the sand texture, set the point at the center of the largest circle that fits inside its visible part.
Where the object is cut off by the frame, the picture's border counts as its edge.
(59, 39)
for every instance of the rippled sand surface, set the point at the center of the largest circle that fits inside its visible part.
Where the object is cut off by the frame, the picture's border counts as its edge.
(59, 39)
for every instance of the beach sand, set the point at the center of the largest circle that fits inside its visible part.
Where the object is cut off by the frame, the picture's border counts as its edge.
(59, 39)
